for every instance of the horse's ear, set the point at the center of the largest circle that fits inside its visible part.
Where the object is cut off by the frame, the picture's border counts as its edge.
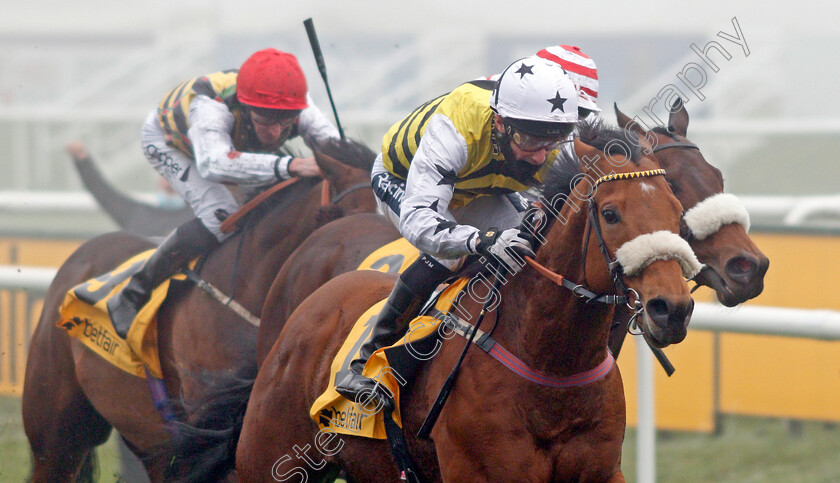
(625, 122)
(678, 120)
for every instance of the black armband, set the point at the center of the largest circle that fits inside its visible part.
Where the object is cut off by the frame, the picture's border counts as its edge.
(277, 171)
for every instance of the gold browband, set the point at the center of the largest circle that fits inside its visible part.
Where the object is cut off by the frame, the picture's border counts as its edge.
(631, 175)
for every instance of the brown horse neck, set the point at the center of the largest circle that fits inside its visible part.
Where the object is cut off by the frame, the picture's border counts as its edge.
(247, 262)
(545, 325)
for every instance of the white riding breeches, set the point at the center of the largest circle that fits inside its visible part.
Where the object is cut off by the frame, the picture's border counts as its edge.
(204, 197)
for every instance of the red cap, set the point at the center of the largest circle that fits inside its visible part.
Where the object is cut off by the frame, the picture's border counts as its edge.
(272, 79)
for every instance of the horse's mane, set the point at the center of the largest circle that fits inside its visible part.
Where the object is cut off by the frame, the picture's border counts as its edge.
(610, 139)
(348, 151)
(565, 173)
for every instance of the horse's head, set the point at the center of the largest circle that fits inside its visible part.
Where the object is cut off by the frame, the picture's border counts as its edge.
(715, 224)
(631, 242)
(346, 165)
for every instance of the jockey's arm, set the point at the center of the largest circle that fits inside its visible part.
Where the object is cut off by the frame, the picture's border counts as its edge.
(211, 125)
(442, 150)
(314, 127)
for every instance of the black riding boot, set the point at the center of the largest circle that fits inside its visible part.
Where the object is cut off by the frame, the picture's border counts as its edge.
(413, 288)
(182, 245)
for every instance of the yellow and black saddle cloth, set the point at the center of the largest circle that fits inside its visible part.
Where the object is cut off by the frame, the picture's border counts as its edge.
(84, 315)
(387, 365)
(390, 366)
(394, 257)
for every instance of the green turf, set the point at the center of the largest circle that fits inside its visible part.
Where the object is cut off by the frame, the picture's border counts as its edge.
(748, 450)
(14, 448)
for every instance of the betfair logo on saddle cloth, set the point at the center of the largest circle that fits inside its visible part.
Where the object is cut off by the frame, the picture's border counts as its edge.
(331, 410)
(85, 316)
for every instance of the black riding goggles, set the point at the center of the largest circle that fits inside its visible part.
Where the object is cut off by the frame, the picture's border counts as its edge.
(267, 117)
(531, 143)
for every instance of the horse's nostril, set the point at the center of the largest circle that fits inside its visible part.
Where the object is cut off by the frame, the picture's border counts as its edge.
(741, 268)
(658, 308)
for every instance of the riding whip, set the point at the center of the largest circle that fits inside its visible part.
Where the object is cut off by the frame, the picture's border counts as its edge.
(319, 59)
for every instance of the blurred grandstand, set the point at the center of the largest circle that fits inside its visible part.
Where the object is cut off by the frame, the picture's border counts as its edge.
(91, 71)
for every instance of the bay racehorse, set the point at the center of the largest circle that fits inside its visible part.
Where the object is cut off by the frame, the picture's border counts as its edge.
(497, 425)
(340, 246)
(72, 397)
(733, 265)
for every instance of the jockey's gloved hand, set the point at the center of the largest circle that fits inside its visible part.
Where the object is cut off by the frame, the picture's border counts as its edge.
(508, 247)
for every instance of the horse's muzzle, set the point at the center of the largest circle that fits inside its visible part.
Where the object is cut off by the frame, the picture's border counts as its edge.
(668, 319)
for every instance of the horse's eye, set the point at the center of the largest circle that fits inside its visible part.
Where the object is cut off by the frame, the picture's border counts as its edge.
(610, 216)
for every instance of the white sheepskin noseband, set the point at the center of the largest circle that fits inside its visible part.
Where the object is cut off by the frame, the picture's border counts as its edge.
(706, 217)
(645, 249)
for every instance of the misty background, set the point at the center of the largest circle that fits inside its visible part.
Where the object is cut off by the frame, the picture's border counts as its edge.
(91, 70)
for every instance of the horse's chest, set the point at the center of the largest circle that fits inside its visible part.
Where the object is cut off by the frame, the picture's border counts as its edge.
(576, 444)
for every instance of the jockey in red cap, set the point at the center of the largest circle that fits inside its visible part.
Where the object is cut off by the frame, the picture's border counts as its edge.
(218, 129)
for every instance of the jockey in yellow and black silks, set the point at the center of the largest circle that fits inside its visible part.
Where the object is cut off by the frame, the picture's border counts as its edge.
(218, 129)
(444, 177)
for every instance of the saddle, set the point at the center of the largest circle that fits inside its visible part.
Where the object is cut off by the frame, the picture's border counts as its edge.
(392, 366)
(84, 315)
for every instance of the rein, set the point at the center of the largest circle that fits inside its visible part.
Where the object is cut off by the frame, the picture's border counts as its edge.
(431, 418)
(576, 288)
(325, 192)
(232, 222)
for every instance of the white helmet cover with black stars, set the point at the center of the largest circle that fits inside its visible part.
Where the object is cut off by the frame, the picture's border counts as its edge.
(535, 89)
